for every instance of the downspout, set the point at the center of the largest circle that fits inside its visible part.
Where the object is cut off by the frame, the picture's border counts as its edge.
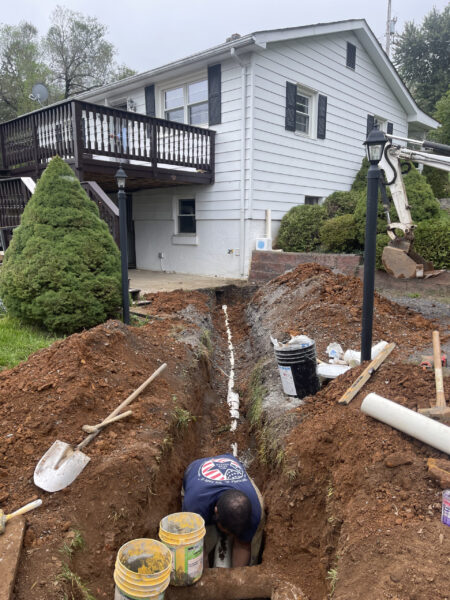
(242, 240)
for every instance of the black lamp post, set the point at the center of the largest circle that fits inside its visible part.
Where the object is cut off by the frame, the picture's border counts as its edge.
(122, 197)
(374, 145)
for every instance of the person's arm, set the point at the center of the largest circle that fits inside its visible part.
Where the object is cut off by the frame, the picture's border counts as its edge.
(241, 554)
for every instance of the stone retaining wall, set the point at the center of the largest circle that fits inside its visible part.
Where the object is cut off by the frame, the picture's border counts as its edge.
(269, 264)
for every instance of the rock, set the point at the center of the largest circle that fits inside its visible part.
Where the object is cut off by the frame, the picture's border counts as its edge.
(439, 469)
(3, 497)
(397, 459)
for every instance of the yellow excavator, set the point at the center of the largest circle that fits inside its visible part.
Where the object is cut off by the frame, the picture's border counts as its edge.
(399, 258)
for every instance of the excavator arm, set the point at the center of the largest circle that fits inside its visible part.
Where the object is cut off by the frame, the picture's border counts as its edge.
(399, 257)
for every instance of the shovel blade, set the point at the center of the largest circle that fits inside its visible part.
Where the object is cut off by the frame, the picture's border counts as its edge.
(59, 466)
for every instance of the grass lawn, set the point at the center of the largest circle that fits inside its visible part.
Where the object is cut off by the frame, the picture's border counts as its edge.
(18, 341)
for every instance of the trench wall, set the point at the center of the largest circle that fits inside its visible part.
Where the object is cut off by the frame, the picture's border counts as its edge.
(267, 265)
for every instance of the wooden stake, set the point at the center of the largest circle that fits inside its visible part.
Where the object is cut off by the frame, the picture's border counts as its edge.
(351, 392)
(440, 397)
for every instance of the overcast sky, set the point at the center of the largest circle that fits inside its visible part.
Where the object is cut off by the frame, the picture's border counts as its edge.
(150, 33)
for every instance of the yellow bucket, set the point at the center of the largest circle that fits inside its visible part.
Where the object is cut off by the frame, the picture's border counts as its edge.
(142, 570)
(183, 534)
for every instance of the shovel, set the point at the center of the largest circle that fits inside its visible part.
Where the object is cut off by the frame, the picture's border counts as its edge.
(62, 464)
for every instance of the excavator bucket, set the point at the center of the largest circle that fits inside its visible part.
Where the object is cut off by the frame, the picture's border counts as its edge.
(402, 262)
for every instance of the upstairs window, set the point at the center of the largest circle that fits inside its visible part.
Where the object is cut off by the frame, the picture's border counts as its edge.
(187, 103)
(303, 108)
(186, 216)
(351, 56)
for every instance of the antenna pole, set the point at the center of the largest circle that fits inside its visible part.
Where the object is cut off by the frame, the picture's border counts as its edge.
(388, 29)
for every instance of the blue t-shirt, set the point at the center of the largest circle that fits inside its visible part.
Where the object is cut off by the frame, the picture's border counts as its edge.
(206, 479)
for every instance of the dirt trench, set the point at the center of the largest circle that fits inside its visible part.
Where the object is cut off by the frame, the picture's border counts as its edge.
(351, 508)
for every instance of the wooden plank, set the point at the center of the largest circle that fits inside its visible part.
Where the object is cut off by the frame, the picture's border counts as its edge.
(440, 397)
(348, 396)
(10, 547)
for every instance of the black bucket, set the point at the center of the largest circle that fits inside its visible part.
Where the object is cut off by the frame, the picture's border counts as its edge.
(298, 369)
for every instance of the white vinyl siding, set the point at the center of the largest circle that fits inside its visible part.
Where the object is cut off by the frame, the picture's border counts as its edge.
(287, 166)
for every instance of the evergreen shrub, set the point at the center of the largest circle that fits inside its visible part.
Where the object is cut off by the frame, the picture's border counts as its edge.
(432, 241)
(340, 203)
(382, 241)
(339, 234)
(299, 228)
(360, 182)
(62, 268)
(439, 181)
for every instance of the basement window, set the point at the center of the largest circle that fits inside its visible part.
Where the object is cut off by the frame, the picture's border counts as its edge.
(186, 216)
(312, 200)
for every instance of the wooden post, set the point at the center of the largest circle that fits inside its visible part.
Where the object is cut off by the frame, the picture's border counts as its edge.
(77, 138)
(212, 152)
(154, 147)
(35, 145)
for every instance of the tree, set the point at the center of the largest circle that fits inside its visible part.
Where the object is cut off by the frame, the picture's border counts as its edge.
(79, 56)
(20, 68)
(62, 268)
(422, 56)
(442, 114)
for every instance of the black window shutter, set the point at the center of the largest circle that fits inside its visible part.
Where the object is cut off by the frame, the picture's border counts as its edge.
(150, 108)
(215, 94)
(291, 93)
(390, 128)
(370, 124)
(351, 56)
(322, 117)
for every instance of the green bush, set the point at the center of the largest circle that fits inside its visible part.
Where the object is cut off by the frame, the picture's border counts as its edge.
(340, 203)
(360, 183)
(432, 241)
(439, 181)
(299, 229)
(382, 241)
(421, 200)
(339, 234)
(62, 269)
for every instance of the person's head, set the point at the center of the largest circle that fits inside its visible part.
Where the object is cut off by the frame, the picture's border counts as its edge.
(233, 511)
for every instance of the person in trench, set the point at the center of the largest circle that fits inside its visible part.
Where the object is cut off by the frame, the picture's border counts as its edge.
(220, 490)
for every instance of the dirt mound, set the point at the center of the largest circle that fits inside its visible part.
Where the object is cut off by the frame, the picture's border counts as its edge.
(80, 380)
(354, 511)
(327, 307)
(360, 505)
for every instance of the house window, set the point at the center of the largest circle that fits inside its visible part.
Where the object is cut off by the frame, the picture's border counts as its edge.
(380, 123)
(187, 103)
(312, 200)
(186, 216)
(304, 110)
(351, 56)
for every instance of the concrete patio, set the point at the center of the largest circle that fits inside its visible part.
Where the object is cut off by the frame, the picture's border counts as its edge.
(159, 281)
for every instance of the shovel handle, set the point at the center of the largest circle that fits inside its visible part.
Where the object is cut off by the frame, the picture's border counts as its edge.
(125, 403)
(92, 428)
(24, 509)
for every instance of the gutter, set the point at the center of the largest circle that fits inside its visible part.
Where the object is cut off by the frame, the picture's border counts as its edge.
(242, 240)
(206, 55)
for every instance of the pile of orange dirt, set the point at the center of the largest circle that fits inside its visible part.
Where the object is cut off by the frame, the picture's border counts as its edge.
(77, 381)
(354, 511)
(312, 300)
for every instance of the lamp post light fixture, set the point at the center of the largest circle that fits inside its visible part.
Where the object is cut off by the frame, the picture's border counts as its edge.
(374, 143)
(122, 197)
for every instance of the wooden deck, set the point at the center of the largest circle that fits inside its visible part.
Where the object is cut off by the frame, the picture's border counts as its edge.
(95, 139)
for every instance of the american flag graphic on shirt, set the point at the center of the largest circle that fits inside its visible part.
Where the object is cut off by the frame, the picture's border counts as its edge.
(222, 469)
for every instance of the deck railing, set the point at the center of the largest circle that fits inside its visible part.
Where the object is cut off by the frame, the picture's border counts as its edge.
(14, 195)
(77, 130)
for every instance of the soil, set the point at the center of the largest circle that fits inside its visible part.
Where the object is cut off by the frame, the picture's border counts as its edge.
(352, 511)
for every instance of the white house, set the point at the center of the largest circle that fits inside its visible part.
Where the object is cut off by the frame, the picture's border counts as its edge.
(291, 109)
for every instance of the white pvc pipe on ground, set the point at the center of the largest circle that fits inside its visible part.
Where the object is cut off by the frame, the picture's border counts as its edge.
(408, 421)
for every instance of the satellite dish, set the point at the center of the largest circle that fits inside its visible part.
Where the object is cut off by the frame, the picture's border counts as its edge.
(39, 93)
